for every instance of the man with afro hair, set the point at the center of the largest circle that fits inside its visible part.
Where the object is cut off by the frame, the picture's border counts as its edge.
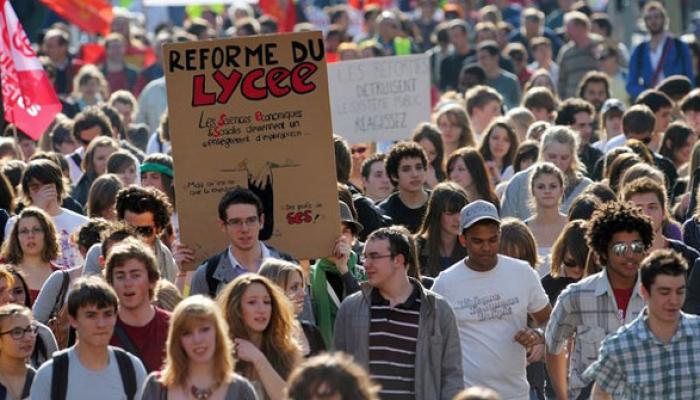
(619, 236)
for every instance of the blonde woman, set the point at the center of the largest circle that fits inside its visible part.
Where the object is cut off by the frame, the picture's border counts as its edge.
(558, 145)
(199, 362)
(290, 278)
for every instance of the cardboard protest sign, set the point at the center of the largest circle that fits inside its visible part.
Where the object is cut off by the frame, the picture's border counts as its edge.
(254, 112)
(379, 98)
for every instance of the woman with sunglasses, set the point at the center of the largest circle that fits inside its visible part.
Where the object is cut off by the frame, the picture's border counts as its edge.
(359, 152)
(18, 334)
(31, 247)
(569, 259)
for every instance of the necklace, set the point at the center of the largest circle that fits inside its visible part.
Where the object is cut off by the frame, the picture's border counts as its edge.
(201, 393)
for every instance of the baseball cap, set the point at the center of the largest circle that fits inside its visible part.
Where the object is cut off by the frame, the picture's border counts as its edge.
(476, 211)
(612, 103)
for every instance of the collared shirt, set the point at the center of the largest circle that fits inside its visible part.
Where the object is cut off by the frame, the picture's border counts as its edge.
(635, 364)
(588, 310)
(393, 336)
(238, 268)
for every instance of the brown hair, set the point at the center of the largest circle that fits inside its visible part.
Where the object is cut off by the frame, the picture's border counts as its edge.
(573, 240)
(278, 343)
(132, 249)
(12, 250)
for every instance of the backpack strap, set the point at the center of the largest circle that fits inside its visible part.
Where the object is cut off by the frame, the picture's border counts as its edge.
(210, 268)
(125, 341)
(59, 376)
(76, 159)
(60, 299)
(127, 372)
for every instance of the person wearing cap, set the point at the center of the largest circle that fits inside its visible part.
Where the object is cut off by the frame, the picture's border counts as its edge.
(404, 335)
(335, 278)
(619, 235)
(611, 124)
(492, 296)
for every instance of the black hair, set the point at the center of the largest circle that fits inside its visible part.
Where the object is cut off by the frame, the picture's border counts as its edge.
(661, 262)
(239, 195)
(655, 100)
(343, 159)
(614, 217)
(400, 151)
(87, 291)
(139, 200)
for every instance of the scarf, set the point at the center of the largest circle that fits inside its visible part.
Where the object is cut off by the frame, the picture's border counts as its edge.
(325, 309)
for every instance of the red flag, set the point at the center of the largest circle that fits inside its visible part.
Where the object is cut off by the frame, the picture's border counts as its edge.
(92, 16)
(284, 11)
(28, 97)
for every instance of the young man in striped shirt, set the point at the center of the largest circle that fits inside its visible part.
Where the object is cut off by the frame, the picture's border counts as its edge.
(403, 334)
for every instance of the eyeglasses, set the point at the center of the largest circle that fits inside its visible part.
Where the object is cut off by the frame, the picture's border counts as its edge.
(570, 264)
(146, 231)
(359, 150)
(374, 257)
(19, 333)
(33, 231)
(238, 223)
(620, 249)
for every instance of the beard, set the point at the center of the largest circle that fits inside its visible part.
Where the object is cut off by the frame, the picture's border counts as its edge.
(655, 30)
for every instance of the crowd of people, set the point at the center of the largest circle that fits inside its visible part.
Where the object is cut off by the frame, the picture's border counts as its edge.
(535, 239)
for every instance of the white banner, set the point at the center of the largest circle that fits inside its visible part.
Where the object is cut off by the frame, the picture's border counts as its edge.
(377, 99)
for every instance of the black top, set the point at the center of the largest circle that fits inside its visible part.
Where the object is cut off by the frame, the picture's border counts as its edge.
(450, 68)
(313, 335)
(458, 253)
(554, 286)
(411, 218)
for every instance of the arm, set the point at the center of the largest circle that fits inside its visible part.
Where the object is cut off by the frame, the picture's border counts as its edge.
(48, 294)
(272, 382)
(599, 393)
(199, 281)
(452, 379)
(557, 369)
(542, 316)
(561, 326)
(633, 87)
(688, 67)
(340, 341)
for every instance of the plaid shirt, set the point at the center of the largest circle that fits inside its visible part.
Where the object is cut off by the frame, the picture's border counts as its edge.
(588, 310)
(635, 364)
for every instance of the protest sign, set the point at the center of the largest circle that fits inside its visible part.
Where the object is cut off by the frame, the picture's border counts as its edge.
(379, 98)
(254, 112)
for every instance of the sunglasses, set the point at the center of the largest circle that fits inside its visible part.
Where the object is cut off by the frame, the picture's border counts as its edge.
(620, 249)
(570, 264)
(359, 150)
(146, 231)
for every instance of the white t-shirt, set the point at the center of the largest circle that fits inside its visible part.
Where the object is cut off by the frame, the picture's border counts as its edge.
(67, 222)
(490, 308)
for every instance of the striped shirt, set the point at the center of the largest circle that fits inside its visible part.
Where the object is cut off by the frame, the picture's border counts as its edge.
(393, 334)
(587, 310)
(635, 364)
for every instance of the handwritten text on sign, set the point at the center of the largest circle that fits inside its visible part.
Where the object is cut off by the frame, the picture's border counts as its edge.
(379, 98)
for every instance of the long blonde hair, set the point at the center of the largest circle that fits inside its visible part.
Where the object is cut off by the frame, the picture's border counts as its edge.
(565, 136)
(196, 308)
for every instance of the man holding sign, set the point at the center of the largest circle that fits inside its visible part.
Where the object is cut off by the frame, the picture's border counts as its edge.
(250, 121)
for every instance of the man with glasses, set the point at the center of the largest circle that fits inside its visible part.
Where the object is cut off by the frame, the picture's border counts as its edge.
(492, 296)
(619, 234)
(403, 334)
(659, 57)
(241, 219)
(654, 357)
(147, 211)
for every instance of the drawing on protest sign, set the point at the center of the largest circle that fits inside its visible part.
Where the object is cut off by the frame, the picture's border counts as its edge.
(379, 98)
(254, 112)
